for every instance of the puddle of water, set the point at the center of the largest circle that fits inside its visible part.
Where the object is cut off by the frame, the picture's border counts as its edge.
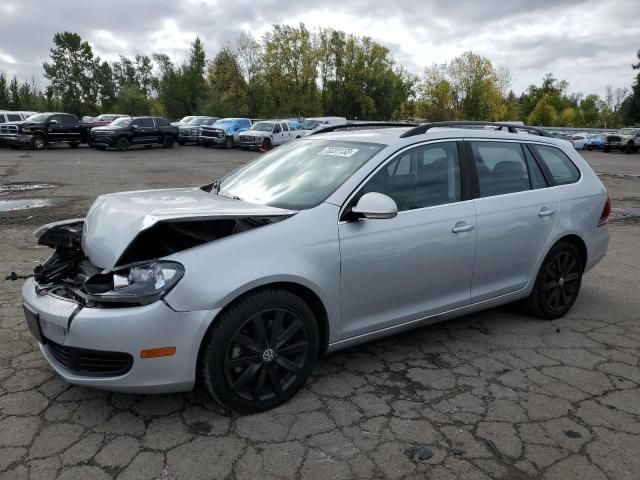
(24, 186)
(25, 203)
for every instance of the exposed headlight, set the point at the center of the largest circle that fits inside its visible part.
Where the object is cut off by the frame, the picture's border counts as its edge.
(139, 284)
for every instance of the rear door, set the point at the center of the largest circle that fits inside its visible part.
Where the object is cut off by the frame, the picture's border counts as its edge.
(516, 213)
(144, 131)
(56, 129)
(420, 263)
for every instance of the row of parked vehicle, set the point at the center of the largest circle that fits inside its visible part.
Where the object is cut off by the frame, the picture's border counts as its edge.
(115, 131)
(625, 140)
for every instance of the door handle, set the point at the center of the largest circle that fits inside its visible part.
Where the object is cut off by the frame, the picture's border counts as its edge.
(461, 227)
(545, 212)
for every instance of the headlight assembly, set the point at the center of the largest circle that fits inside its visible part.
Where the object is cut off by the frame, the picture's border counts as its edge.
(139, 284)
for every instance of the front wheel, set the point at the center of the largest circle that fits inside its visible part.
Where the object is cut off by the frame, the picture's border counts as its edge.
(558, 282)
(260, 352)
(122, 144)
(74, 144)
(606, 149)
(228, 143)
(38, 142)
(182, 142)
(266, 144)
(629, 149)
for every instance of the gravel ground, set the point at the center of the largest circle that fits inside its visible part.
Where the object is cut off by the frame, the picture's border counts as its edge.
(492, 395)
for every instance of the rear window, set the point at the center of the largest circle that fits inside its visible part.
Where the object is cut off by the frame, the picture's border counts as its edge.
(559, 164)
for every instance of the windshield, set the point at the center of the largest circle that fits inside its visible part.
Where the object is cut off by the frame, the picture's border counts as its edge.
(104, 118)
(39, 117)
(121, 122)
(196, 122)
(186, 119)
(223, 123)
(298, 175)
(310, 124)
(628, 131)
(262, 126)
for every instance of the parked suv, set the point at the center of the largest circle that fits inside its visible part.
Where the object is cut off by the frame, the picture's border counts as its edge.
(190, 131)
(332, 240)
(42, 129)
(626, 140)
(223, 132)
(127, 131)
(267, 134)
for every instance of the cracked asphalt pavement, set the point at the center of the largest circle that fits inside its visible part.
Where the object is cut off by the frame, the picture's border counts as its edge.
(494, 395)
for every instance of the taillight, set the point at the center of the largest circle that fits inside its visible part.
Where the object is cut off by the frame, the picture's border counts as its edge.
(606, 211)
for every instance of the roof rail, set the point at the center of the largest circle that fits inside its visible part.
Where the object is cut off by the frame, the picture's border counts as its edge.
(511, 127)
(363, 125)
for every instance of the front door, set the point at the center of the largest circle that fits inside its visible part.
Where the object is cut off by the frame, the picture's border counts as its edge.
(516, 215)
(419, 263)
(144, 131)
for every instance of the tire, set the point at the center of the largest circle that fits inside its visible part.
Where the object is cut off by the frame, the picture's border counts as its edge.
(122, 144)
(629, 148)
(589, 149)
(244, 366)
(101, 147)
(266, 144)
(182, 142)
(228, 143)
(168, 141)
(38, 142)
(15, 147)
(74, 144)
(606, 149)
(558, 282)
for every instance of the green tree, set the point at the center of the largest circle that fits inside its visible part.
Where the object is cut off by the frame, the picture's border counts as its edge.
(70, 71)
(105, 86)
(228, 90)
(631, 105)
(14, 94)
(544, 113)
(4, 91)
(132, 101)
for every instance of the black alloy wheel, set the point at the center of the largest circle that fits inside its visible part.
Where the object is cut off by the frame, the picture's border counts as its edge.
(266, 355)
(260, 352)
(558, 282)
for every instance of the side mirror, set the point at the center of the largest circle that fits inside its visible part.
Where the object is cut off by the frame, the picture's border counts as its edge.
(53, 122)
(134, 126)
(376, 206)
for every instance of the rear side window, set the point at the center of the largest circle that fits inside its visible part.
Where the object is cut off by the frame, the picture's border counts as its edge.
(12, 117)
(560, 166)
(143, 122)
(501, 168)
(162, 122)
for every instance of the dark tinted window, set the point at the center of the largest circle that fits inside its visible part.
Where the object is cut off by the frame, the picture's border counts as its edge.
(276, 128)
(501, 168)
(68, 120)
(13, 117)
(560, 166)
(163, 122)
(2, 119)
(535, 172)
(143, 122)
(421, 177)
(285, 127)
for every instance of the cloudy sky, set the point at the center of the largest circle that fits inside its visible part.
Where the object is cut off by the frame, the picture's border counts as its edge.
(589, 43)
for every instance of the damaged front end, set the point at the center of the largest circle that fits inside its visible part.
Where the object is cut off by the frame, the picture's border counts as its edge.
(140, 276)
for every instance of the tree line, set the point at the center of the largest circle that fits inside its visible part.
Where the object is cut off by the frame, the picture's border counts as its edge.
(292, 71)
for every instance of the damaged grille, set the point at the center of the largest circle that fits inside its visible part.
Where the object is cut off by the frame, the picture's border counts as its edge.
(212, 133)
(94, 363)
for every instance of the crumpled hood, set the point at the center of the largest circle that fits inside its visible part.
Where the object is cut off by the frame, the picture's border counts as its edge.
(255, 133)
(115, 219)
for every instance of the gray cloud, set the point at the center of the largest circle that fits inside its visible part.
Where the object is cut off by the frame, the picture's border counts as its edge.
(590, 43)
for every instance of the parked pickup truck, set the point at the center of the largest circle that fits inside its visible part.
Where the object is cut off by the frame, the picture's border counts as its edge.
(267, 134)
(42, 129)
(105, 119)
(126, 131)
(311, 124)
(190, 131)
(626, 140)
(223, 132)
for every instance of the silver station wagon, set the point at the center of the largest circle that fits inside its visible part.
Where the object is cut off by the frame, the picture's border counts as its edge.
(328, 241)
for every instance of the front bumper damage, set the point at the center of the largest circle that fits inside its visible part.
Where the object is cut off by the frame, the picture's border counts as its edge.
(100, 345)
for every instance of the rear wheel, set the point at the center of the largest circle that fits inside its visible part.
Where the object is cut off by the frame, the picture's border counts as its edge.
(260, 352)
(122, 144)
(558, 282)
(168, 141)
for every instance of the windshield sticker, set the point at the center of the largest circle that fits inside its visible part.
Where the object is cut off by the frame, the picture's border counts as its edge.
(339, 151)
